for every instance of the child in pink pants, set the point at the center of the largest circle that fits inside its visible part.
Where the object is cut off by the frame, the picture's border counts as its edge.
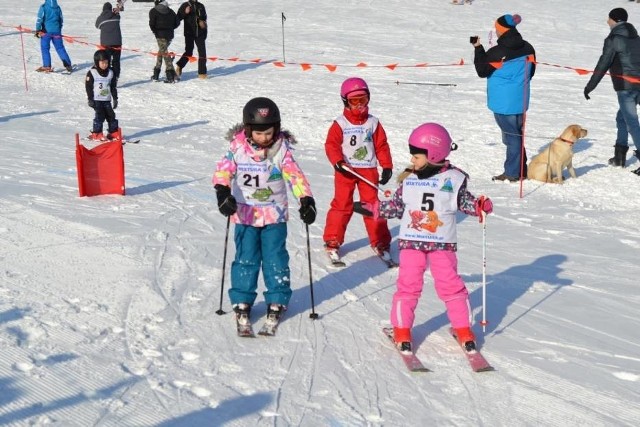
(429, 195)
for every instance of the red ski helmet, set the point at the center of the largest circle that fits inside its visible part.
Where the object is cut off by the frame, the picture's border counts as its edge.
(431, 139)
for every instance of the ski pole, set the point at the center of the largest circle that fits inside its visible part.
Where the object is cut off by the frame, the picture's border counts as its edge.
(387, 193)
(220, 312)
(283, 18)
(24, 63)
(313, 314)
(425, 83)
(484, 272)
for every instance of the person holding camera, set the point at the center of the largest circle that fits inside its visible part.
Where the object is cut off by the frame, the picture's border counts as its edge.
(508, 68)
(108, 22)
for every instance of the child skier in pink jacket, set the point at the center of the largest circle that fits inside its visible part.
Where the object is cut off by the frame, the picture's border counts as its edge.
(251, 183)
(426, 202)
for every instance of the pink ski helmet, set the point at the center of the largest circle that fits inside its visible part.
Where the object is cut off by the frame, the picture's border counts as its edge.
(431, 139)
(351, 85)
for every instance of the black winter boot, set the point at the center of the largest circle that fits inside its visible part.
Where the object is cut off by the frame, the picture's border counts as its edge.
(619, 156)
(637, 154)
(171, 76)
(156, 74)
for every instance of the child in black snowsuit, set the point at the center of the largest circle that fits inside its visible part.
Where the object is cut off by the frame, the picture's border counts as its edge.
(100, 84)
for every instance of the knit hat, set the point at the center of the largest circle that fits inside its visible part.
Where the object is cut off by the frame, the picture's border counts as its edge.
(618, 15)
(507, 22)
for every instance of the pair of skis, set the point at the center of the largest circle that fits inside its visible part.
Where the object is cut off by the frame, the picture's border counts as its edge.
(476, 360)
(123, 140)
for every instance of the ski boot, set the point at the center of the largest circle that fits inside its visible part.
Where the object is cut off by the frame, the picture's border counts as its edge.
(96, 136)
(466, 338)
(115, 136)
(402, 338)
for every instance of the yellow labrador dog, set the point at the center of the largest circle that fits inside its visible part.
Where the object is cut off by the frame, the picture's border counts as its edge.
(548, 165)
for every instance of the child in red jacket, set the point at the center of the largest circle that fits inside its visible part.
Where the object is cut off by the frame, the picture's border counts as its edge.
(356, 142)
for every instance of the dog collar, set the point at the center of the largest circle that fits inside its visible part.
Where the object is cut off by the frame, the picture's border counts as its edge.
(567, 141)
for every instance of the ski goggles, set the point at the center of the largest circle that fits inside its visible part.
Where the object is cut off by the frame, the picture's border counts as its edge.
(358, 101)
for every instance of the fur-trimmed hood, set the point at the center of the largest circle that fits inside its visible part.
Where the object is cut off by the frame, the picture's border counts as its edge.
(239, 127)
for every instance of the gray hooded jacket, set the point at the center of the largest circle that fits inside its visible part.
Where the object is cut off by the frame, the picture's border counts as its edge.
(109, 25)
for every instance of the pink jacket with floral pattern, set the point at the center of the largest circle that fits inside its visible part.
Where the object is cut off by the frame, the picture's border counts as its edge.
(278, 158)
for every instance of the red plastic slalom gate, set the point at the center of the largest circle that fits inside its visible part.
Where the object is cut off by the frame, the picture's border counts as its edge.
(100, 169)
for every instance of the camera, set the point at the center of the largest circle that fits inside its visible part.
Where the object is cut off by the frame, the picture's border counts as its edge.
(473, 39)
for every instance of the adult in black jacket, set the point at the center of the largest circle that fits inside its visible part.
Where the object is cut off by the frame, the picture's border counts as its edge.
(108, 22)
(162, 21)
(621, 57)
(195, 32)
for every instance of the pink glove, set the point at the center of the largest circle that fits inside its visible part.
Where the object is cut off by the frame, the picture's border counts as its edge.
(483, 205)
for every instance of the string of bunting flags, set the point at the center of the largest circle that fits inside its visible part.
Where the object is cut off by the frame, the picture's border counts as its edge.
(306, 66)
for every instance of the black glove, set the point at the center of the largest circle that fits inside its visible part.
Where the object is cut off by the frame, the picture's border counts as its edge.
(586, 94)
(358, 208)
(386, 176)
(226, 202)
(115, 103)
(339, 167)
(38, 34)
(92, 103)
(307, 210)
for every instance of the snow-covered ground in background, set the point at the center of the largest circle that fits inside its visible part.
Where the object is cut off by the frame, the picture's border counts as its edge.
(107, 304)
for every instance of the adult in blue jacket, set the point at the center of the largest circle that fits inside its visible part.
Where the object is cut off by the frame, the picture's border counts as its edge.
(508, 67)
(49, 29)
(621, 58)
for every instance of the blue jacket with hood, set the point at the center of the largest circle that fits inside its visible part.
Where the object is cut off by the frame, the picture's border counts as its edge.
(49, 17)
(508, 67)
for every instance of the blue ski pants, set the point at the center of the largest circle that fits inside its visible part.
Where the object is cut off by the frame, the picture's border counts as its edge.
(260, 248)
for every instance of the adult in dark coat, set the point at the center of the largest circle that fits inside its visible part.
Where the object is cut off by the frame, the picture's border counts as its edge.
(621, 58)
(195, 32)
(110, 35)
(508, 68)
(162, 21)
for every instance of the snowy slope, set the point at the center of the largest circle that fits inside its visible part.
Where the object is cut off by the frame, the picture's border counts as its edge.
(107, 304)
